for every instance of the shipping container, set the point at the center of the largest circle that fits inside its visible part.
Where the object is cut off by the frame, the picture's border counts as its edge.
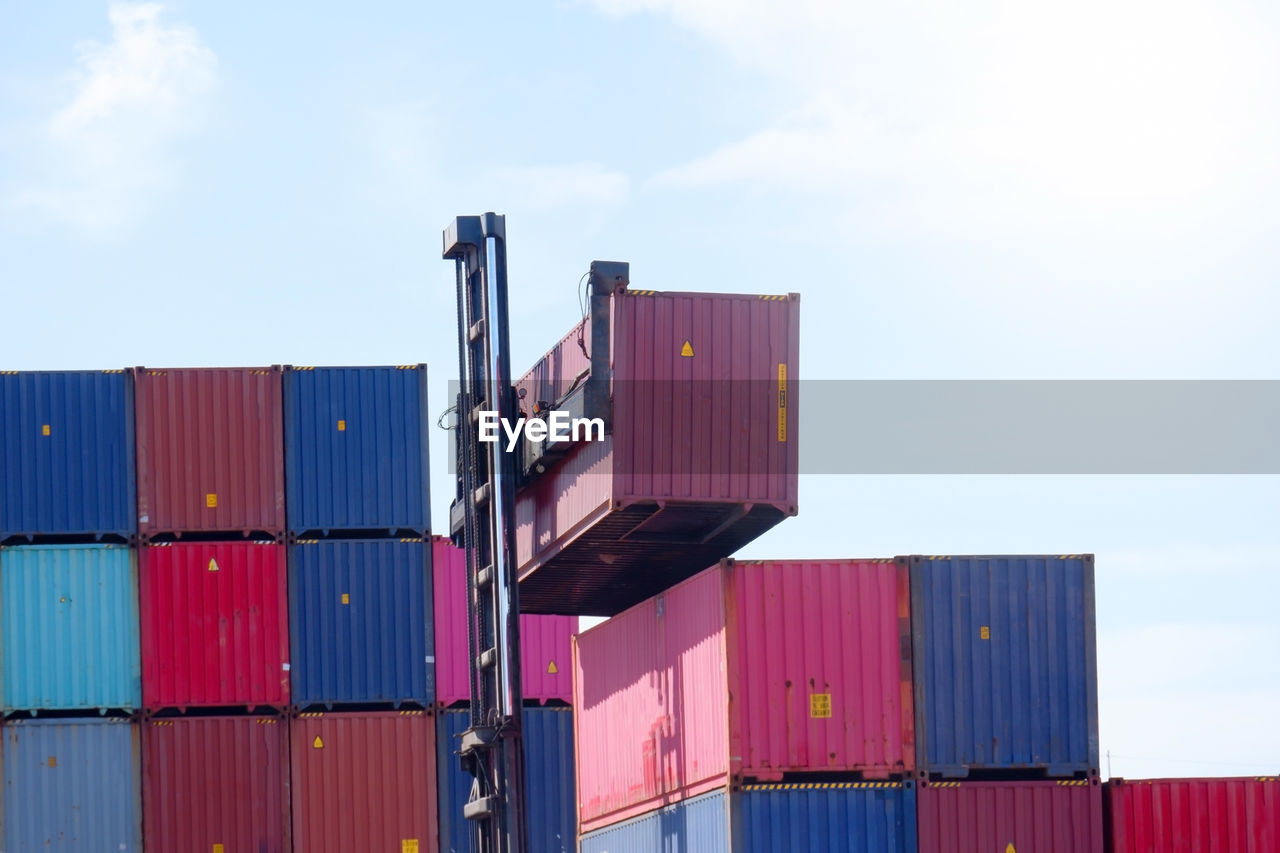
(1241, 815)
(72, 786)
(360, 621)
(1006, 673)
(831, 817)
(996, 817)
(548, 767)
(364, 782)
(66, 454)
(70, 628)
(356, 448)
(750, 670)
(700, 459)
(546, 673)
(214, 625)
(210, 450)
(216, 783)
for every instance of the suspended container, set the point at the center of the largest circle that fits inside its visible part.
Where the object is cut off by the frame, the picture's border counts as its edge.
(1241, 815)
(216, 783)
(1006, 674)
(364, 781)
(546, 650)
(831, 817)
(360, 620)
(66, 454)
(210, 451)
(356, 449)
(698, 394)
(548, 767)
(71, 786)
(215, 628)
(748, 671)
(70, 628)
(1031, 816)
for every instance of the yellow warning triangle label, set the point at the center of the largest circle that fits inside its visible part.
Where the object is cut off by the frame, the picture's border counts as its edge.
(317, 743)
(552, 668)
(686, 351)
(213, 565)
(1009, 848)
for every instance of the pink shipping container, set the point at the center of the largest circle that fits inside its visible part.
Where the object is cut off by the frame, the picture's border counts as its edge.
(747, 671)
(996, 817)
(210, 450)
(546, 651)
(1241, 815)
(701, 457)
(215, 625)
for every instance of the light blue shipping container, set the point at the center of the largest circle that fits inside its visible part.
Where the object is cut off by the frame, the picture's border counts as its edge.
(66, 453)
(836, 817)
(356, 449)
(549, 770)
(69, 623)
(72, 786)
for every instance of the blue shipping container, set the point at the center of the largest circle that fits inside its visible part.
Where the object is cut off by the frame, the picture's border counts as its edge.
(72, 786)
(360, 622)
(69, 624)
(548, 763)
(356, 448)
(835, 817)
(66, 454)
(1005, 667)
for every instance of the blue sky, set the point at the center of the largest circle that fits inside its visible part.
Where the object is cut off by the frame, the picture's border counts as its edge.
(1086, 190)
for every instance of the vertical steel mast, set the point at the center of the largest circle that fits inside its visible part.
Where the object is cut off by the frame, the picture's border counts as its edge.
(492, 748)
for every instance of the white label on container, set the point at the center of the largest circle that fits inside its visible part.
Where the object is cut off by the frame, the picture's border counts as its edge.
(285, 666)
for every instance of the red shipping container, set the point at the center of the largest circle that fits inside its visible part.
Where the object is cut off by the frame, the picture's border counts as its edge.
(546, 654)
(1241, 815)
(215, 625)
(996, 817)
(750, 670)
(702, 457)
(364, 782)
(216, 783)
(210, 450)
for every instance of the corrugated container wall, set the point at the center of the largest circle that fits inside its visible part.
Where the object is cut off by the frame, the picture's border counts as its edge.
(216, 783)
(1241, 815)
(356, 448)
(215, 626)
(1033, 817)
(71, 786)
(702, 457)
(835, 817)
(66, 453)
(70, 628)
(750, 670)
(360, 621)
(1006, 672)
(364, 782)
(548, 767)
(546, 651)
(210, 450)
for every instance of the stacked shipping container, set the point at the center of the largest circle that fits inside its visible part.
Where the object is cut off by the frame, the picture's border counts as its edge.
(1241, 815)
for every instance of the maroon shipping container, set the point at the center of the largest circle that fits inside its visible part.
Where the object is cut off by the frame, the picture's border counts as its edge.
(1241, 815)
(997, 817)
(210, 450)
(216, 784)
(748, 671)
(546, 654)
(701, 458)
(215, 625)
(364, 782)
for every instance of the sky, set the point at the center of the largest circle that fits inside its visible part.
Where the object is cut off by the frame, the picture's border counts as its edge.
(987, 190)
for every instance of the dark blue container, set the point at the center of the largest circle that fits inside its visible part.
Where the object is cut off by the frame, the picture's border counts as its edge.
(833, 817)
(549, 770)
(355, 443)
(1005, 664)
(66, 454)
(360, 622)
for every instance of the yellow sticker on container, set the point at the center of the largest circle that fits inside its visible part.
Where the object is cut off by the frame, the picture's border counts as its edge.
(44, 430)
(218, 848)
(346, 598)
(342, 426)
(408, 845)
(686, 351)
(782, 402)
(213, 565)
(820, 706)
(1009, 848)
(317, 743)
(53, 761)
(211, 501)
(552, 669)
(984, 633)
